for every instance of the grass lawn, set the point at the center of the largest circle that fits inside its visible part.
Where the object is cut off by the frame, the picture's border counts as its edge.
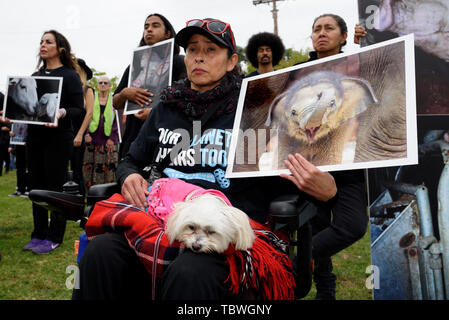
(27, 276)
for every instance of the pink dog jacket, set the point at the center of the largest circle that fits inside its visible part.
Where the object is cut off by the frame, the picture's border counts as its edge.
(165, 192)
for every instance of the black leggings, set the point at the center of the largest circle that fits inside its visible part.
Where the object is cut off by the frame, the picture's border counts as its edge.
(47, 167)
(111, 270)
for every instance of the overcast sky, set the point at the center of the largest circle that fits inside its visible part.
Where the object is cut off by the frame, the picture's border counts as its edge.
(105, 32)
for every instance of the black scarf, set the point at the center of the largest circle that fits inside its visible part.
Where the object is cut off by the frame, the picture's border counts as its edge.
(194, 103)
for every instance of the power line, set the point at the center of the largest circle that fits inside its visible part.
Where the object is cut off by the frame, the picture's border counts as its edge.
(274, 11)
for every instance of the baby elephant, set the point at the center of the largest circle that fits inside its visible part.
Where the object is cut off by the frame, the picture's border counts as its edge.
(317, 115)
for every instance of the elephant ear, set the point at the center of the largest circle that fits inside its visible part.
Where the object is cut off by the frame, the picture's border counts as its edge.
(277, 103)
(358, 95)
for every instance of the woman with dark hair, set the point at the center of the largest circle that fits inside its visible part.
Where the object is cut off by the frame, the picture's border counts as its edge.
(76, 161)
(264, 50)
(334, 228)
(50, 147)
(141, 260)
(156, 28)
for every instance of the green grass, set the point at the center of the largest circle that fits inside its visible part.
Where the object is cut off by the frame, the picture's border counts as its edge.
(27, 276)
(23, 274)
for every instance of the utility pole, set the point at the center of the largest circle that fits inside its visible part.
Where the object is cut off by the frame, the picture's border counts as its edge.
(274, 11)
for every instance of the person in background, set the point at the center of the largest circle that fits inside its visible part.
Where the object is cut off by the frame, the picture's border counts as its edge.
(21, 161)
(76, 161)
(4, 145)
(156, 28)
(101, 156)
(50, 146)
(264, 50)
(334, 228)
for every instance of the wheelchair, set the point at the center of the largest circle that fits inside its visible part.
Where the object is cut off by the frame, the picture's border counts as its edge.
(287, 212)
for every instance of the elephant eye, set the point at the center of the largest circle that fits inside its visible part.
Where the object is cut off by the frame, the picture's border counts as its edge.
(293, 113)
(332, 103)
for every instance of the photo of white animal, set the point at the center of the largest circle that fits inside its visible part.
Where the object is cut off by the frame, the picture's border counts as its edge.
(351, 111)
(33, 100)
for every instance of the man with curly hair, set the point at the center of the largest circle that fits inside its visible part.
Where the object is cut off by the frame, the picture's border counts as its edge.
(264, 51)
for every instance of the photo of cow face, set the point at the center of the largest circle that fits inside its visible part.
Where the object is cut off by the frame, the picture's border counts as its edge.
(33, 100)
(23, 92)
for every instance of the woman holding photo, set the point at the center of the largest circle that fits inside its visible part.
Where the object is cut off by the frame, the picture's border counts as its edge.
(50, 146)
(334, 228)
(155, 29)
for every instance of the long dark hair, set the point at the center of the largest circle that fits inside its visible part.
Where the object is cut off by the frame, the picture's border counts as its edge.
(340, 21)
(65, 52)
(168, 28)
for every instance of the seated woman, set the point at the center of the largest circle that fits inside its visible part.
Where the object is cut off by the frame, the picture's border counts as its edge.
(110, 267)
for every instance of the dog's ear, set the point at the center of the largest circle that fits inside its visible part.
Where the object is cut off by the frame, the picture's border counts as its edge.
(244, 234)
(175, 220)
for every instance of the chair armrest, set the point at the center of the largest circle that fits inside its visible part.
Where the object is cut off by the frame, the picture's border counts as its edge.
(101, 192)
(72, 206)
(290, 211)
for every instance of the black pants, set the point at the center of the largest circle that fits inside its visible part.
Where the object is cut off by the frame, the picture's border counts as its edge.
(111, 270)
(4, 157)
(336, 229)
(76, 165)
(22, 170)
(47, 166)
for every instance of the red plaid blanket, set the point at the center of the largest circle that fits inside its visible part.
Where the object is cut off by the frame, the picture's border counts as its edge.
(265, 267)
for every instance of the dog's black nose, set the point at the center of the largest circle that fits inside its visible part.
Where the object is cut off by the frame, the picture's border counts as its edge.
(196, 247)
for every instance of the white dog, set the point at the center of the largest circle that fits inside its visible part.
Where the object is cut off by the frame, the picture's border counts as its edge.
(207, 224)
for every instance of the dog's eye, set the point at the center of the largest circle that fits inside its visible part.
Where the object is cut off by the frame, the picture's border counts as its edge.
(210, 232)
(191, 227)
(332, 103)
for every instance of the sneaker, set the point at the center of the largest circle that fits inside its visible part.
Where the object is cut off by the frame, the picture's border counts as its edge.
(15, 194)
(45, 247)
(32, 244)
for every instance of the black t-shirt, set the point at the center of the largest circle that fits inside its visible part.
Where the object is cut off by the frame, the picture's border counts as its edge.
(133, 124)
(72, 100)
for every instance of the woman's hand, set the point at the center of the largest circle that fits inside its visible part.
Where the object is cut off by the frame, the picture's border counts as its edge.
(135, 190)
(87, 139)
(309, 179)
(78, 140)
(110, 145)
(61, 114)
(139, 96)
(359, 32)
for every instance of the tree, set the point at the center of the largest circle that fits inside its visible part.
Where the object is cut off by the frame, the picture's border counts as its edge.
(94, 82)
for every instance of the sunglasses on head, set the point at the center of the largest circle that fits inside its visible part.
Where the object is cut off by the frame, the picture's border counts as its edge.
(214, 26)
(103, 82)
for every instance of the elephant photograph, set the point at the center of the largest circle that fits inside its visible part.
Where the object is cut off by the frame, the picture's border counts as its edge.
(355, 111)
(33, 100)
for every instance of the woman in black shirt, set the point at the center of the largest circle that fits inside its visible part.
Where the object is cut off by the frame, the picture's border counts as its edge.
(50, 147)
